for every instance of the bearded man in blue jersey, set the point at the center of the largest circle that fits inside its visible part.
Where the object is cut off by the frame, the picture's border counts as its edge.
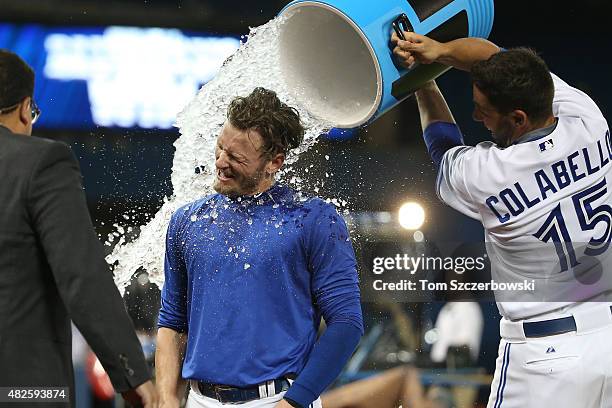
(249, 273)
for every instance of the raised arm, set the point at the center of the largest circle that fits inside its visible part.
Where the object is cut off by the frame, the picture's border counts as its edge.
(440, 132)
(432, 105)
(461, 53)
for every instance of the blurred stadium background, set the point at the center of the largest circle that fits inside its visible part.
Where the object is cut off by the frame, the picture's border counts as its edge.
(108, 87)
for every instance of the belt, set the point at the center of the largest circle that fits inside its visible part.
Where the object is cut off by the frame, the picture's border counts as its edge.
(235, 395)
(551, 327)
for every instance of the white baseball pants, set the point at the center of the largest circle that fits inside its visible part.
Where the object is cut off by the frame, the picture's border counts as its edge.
(570, 370)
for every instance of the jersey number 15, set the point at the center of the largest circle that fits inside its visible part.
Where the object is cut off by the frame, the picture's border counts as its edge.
(554, 228)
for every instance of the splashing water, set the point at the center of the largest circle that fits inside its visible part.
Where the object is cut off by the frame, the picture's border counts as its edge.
(255, 63)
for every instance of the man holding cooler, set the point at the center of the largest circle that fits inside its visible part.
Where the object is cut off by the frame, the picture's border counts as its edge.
(540, 188)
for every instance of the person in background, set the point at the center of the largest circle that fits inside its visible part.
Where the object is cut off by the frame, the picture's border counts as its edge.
(396, 387)
(52, 267)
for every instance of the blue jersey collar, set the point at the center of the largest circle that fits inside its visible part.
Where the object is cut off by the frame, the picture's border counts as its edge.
(274, 194)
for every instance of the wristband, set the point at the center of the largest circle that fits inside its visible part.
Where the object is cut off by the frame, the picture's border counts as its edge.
(292, 402)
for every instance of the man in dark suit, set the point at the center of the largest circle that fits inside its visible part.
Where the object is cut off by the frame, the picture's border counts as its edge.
(52, 267)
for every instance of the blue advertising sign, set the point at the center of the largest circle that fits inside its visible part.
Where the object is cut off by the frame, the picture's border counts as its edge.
(125, 77)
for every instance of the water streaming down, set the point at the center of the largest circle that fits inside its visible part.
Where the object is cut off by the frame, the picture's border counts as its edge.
(254, 64)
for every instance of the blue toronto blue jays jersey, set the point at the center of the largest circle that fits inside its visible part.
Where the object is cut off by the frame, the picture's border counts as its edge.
(249, 279)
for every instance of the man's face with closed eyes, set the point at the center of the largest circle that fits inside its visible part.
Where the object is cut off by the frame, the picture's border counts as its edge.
(240, 164)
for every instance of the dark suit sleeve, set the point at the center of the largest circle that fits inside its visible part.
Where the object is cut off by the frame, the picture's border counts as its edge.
(58, 211)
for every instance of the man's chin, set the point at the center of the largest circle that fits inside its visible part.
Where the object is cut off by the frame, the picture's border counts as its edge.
(224, 189)
(236, 187)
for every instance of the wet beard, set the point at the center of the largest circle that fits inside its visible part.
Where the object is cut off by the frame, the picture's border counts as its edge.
(242, 185)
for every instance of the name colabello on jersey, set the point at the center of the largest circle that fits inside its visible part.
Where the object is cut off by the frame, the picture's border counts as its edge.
(584, 162)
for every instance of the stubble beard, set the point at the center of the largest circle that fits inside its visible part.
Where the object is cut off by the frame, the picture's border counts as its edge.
(243, 185)
(503, 137)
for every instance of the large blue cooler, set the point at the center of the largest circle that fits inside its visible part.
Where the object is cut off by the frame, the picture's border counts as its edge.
(336, 59)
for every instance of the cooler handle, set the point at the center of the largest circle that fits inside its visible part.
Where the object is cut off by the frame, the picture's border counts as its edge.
(401, 24)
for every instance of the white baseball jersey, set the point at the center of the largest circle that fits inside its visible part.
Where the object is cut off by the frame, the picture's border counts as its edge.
(545, 204)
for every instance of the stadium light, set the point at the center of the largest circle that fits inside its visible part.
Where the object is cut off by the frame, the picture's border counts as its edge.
(411, 216)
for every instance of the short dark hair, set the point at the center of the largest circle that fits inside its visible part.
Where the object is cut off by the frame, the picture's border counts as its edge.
(516, 79)
(278, 124)
(16, 79)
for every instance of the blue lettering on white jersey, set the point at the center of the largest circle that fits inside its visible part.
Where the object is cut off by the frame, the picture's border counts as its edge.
(549, 188)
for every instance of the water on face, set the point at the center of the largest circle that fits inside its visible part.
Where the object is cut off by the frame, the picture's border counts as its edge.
(254, 64)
